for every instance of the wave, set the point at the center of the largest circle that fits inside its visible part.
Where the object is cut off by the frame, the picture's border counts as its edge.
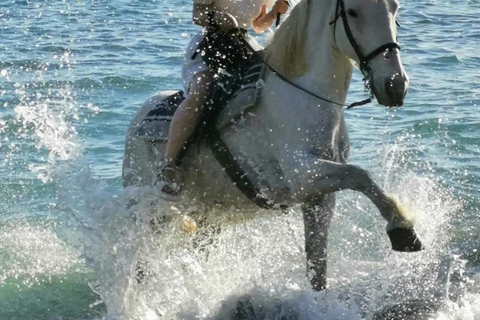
(93, 83)
(447, 59)
(30, 65)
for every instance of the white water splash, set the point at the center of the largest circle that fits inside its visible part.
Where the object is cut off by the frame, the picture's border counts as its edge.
(49, 113)
(25, 247)
(148, 267)
(40, 136)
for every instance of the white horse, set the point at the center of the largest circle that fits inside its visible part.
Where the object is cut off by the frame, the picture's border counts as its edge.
(293, 145)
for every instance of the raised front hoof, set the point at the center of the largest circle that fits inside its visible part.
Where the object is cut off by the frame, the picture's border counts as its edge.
(405, 240)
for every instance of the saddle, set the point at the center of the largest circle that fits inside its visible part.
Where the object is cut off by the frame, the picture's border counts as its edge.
(232, 97)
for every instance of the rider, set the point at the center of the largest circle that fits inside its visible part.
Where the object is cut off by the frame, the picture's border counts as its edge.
(198, 73)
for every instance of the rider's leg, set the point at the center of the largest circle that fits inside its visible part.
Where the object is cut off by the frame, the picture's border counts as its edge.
(184, 123)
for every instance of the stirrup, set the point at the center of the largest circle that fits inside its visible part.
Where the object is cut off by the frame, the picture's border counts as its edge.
(168, 185)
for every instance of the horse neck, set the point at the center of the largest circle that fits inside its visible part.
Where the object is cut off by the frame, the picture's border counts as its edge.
(329, 72)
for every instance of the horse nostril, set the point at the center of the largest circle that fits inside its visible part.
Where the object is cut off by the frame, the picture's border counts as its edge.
(395, 91)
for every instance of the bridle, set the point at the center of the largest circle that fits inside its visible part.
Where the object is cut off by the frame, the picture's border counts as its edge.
(340, 12)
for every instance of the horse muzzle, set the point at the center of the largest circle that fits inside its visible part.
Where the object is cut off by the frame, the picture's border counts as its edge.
(389, 81)
(393, 91)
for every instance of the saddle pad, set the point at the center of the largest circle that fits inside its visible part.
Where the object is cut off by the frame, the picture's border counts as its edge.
(244, 94)
(156, 123)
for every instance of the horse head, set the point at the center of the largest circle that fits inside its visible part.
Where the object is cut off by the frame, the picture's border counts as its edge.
(366, 32)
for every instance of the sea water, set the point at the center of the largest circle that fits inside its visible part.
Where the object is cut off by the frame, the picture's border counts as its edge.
(72, 75)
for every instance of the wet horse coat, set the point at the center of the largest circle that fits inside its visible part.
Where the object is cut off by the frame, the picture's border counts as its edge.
(292, 145)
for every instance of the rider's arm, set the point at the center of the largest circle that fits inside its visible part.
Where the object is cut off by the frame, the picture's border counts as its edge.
(265, 20)
(204, 14)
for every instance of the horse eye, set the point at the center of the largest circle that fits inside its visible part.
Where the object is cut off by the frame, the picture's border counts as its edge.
(352, 13)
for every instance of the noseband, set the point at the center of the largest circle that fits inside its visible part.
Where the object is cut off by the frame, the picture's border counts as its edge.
(340, 12)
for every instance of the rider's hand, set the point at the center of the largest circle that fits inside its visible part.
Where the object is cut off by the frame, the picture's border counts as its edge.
(225, 21)
(281, 6)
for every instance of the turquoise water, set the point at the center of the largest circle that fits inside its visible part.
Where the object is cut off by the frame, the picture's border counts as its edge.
(72, 75)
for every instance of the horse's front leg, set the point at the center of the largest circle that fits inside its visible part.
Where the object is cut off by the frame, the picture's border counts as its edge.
(315, 177)
(317, 216)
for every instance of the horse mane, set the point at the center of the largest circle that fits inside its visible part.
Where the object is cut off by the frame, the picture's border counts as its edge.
(286, 50)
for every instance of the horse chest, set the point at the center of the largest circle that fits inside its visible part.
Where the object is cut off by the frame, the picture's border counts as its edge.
(314, 139)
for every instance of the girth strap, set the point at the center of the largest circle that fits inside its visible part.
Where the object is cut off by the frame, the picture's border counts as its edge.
(235, 172)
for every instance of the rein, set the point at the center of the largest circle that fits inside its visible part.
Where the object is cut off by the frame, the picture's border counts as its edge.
(340, 12)
(285, 79)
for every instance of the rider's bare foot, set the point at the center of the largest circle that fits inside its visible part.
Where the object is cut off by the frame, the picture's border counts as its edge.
(168, 180)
